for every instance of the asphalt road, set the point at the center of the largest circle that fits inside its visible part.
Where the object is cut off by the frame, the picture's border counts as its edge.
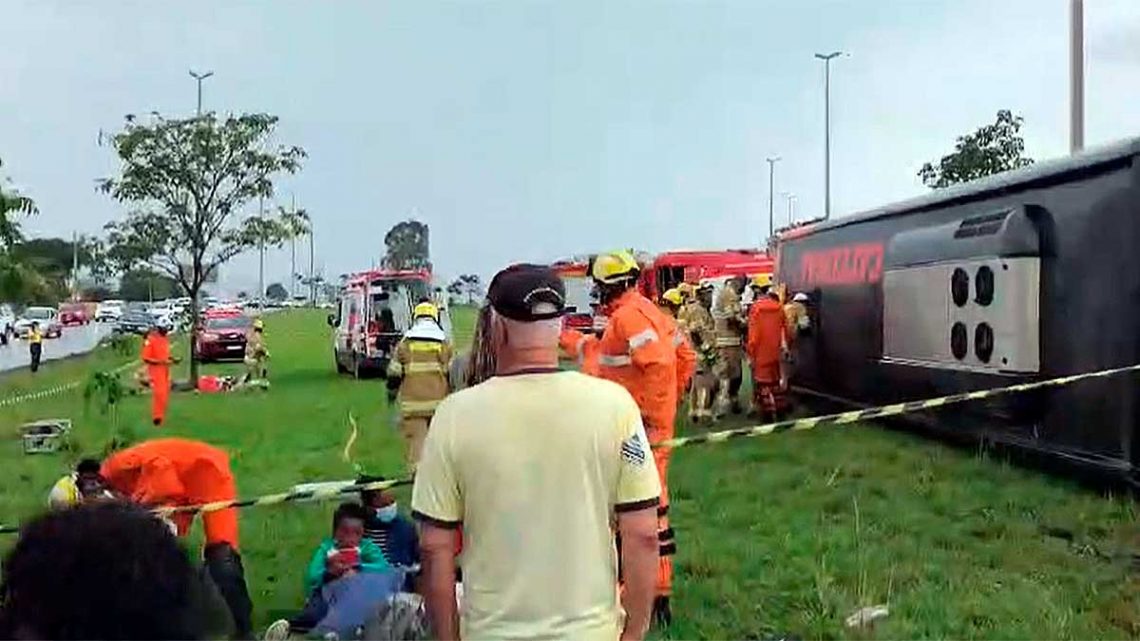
(75, 340)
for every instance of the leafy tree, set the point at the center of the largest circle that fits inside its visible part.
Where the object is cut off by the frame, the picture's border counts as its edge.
(12, 203)
(455, 289)
(990, 150)
(276, 291)
(146, 284)
(471, 285)
(189, 180)
(408, 246)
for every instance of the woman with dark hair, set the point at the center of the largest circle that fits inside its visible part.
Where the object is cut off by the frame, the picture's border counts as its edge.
(104, 570)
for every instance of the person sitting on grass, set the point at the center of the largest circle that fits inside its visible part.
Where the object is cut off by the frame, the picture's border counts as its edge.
(390, 530)
(331, 579)
(83, 485)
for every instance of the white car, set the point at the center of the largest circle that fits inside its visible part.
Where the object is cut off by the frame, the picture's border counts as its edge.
(7, 323)
(47, 317)
(108, 311)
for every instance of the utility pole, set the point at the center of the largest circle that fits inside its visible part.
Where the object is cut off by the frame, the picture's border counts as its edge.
(312, 283)
(200, 77)
(293, 253)
(791, 198)
(74, 265)
(261, 250)
(1076, 76)
(771, 194)
(826, 58)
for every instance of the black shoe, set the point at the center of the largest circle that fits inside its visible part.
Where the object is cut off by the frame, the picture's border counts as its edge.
(157, 422)
(662, 614)
(737, 408)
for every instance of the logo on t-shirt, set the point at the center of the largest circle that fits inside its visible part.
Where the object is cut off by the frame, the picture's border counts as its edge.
(633, 450)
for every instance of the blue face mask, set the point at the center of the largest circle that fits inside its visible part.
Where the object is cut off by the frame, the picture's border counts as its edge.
(387, 513)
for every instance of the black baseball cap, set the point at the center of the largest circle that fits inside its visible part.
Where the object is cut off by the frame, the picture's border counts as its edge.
(527, 293)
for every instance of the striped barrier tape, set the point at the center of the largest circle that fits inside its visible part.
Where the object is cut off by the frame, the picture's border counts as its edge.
(896, 409)
(52, 391)
(841, 418)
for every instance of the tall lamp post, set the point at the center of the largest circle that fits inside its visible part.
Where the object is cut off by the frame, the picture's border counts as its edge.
(791, 198)
(200, 77)
(771, 193)
(1076, 76)
(826, 58)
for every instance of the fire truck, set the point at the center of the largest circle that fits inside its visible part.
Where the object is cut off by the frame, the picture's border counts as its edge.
(373, 310)
(669, 269)
(1026, 275)
(580, 304)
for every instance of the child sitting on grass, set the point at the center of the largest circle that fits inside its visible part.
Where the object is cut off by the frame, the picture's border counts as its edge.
(343, 555)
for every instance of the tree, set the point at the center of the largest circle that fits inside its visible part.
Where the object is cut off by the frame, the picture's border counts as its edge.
(408, 246)
(990, 150)
(276, 291)
(455, 289)
(189, 179)
(17, 281)
(146, 284)
(471, 285)
(12, 203)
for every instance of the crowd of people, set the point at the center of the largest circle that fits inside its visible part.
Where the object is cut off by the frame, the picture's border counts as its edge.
(541, 502)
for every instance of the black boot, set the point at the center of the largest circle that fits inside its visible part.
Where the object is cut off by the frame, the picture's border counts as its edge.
(662, 614)
(224, 566)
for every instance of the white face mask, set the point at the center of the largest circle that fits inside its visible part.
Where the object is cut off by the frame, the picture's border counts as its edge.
(387, 513)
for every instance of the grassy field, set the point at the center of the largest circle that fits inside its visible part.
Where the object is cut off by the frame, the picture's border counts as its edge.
(779, 535)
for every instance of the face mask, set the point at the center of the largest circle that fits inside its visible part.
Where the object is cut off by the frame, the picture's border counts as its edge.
(387, 513)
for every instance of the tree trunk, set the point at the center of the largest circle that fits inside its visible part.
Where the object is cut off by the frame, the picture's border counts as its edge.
(194, 335)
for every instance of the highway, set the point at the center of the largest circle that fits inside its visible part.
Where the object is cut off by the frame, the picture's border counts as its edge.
(75, 340)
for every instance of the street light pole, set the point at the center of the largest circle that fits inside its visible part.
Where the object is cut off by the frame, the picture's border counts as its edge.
(1076, 76)
(771, 193)
(789, 196)
(826, 58)
(200, 77)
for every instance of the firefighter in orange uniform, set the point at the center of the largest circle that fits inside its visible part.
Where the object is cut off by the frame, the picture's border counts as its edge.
(767, 332)
(172, 472)
(686, 355)
(156, 357)
(637, 351)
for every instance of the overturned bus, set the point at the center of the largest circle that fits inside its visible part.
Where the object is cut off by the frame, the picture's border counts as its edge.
(1023, 276)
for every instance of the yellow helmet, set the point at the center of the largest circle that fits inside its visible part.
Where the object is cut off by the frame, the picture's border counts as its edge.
(426, 310)
(762, 280)
(258, 323)
(686, 290)
(674, 296)
(614, 267)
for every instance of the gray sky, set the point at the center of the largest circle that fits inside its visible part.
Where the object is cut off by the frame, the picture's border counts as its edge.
(532, 130)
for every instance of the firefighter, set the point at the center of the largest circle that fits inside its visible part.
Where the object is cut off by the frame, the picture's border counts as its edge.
(767, 338)
(671, 302)
(637, 351)
(797, 318)
(174, 472)
(730, 322)
(255, 353)
(418, 371)
(686, 355)
(156, 357)
(698, 322)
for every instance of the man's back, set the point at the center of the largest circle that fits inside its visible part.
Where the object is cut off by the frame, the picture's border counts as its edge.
(534, 466)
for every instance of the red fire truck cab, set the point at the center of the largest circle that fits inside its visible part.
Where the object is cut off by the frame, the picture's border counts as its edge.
(669, 269)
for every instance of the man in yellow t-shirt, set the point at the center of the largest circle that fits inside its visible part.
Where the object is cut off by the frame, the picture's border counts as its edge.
(536, 465)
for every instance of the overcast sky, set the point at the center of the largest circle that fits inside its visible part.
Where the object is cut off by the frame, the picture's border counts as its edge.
(533, 130)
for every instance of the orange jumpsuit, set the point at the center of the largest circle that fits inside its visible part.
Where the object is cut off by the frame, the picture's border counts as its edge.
(767, 327)
(639, 351)
(156, 356)
(175, 471)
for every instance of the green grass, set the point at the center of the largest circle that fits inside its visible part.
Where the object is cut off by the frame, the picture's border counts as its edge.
(778, 535)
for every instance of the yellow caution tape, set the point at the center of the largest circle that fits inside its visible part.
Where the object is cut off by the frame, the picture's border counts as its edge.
(842, 418)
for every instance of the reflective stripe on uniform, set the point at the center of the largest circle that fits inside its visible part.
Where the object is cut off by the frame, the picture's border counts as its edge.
(395, 369)
(643, 337)
(619, 360)
(424, 368)
(728, 342)
(424, 346)
(678, 339)
(581, 349)
(409, 407)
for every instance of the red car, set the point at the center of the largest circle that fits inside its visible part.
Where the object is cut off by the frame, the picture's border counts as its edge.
(222, 336)
(73, 314)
